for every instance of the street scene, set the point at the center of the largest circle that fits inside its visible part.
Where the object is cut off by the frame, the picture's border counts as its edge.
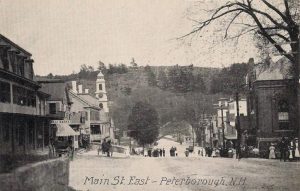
(167, 95)
(199, 172)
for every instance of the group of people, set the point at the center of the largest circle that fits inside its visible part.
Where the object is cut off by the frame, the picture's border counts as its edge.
(155, 153)
(106, 148)
(173, 152)
(288, 147)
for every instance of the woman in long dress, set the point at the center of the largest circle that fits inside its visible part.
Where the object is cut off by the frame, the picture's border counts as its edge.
(272, 152)
(297, 154)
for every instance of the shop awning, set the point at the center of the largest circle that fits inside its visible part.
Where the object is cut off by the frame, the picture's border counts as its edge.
(64, 130)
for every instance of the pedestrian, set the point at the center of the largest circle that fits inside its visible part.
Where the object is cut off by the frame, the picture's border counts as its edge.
(272, 151)
(103, 146)
(51, 148)
(164, 152)
(297, 154)
(110, 149)
(291, 150)
(160, 152)
(100, 147)
(283, 149)
(213, 154)
(149, 152)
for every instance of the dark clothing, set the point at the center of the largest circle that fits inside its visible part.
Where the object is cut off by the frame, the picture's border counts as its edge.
(283, 146)
(149, 153)
(164, 153)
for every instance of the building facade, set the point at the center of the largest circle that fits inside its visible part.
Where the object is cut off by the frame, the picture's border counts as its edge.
(271, 101)
(24, 126)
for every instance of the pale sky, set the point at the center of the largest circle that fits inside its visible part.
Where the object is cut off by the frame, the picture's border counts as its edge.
(64, 34)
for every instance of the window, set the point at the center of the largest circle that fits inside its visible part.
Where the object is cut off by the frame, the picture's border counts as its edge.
(101, 105)
(4, 57)
(4, 92)
(95, 115)
(100, 86)
(20, 65)
(24, 97)
(283, 114)
(12, 58)
(95, 129)
(52, 108)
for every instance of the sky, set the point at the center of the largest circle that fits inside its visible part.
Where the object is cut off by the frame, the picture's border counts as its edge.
(64, 34)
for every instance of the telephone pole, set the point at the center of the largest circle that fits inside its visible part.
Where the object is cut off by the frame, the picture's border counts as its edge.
(238, 126)
(223, 127)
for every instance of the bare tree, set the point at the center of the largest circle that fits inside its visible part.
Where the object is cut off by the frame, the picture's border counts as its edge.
(276, 21)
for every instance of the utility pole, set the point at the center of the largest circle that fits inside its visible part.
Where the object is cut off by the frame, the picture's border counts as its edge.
(238, 126)
(223, 127)
(203, 130)
(210, 136)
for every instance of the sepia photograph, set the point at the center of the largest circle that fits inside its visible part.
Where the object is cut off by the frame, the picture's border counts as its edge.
(149, 95)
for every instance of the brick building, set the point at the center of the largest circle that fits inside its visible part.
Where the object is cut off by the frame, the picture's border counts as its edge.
(271, 101)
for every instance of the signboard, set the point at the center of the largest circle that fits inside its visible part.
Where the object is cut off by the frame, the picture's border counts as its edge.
(60, 121)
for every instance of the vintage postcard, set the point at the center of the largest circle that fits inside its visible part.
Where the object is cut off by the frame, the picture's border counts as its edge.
(140, 95)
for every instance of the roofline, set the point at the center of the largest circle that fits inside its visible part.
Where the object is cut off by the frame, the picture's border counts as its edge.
(18, 77)
(14, 44)
(89, 105)
(51, 81)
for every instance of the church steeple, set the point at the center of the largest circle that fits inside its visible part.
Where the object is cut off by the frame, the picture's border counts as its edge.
(101, 92)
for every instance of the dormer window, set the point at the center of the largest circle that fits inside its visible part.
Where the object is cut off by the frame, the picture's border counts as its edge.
(4, 57)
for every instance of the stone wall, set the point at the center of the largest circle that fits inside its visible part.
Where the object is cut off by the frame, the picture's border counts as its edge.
(46, 175)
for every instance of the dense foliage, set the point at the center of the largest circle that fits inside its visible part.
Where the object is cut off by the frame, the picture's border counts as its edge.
(143, 123)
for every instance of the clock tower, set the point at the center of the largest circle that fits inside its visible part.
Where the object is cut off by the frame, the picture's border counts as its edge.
(101, 92)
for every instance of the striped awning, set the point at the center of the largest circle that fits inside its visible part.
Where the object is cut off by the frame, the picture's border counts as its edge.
(64, 130)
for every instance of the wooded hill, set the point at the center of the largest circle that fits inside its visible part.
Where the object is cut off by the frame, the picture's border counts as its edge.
(176, 92)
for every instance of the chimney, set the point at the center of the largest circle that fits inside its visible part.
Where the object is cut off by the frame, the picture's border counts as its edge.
(80, 88)
(74, 86)
(86, 91)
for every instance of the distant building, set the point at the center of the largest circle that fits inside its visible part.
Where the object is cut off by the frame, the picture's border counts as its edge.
(227, 108)
(24, 125)
(271, 101)
(95, 109)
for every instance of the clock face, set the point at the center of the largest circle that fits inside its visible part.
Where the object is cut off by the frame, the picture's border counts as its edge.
(100, 95)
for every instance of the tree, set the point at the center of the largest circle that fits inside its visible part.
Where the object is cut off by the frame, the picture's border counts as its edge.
(199, 84)
(50, 76)
(133, 63)
(162, 80)
(101, 67)
(229, 79)
(151, 76)
(277, 23)
(180, 78)
(143, 123)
